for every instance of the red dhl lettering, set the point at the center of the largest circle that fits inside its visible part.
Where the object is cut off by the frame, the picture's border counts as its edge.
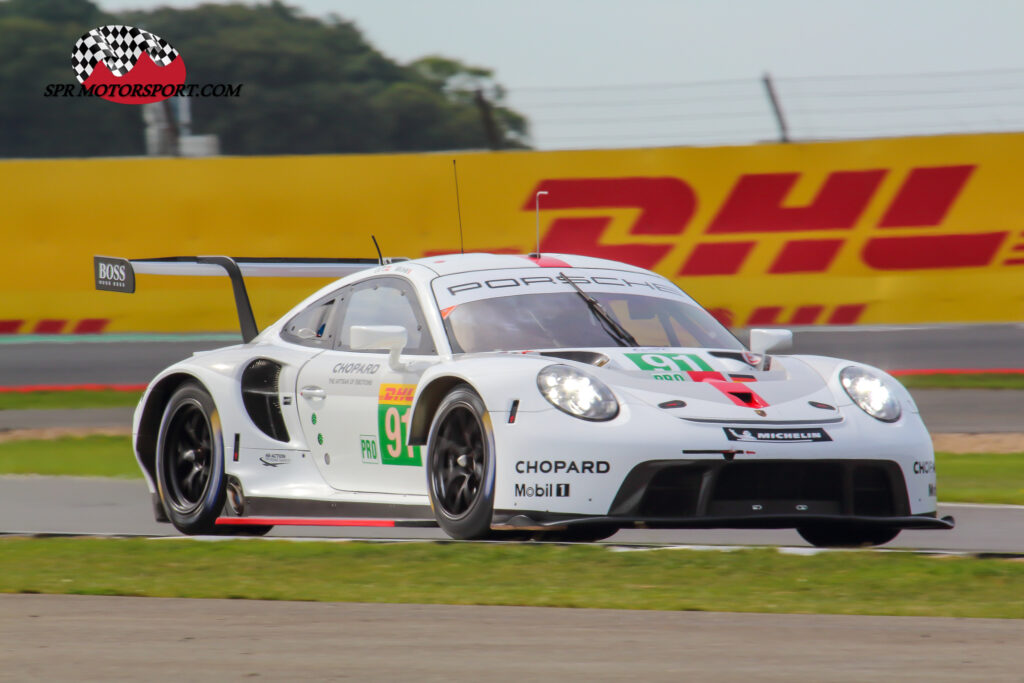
(396, 393)
(757, 205)
(666, 207)
(804, 314)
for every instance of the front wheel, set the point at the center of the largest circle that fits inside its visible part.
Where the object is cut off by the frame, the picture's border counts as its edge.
(846, 535)
(460, 465)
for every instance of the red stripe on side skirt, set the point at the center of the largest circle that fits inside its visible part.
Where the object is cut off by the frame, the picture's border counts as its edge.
(302, 521)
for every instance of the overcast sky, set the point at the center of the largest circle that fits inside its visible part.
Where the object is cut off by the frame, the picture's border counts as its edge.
(656, 72)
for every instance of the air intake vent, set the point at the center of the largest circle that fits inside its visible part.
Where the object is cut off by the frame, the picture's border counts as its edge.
(745, 396)
(261, 398)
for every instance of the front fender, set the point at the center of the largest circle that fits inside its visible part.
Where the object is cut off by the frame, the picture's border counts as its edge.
(498, 379)
(829, 369)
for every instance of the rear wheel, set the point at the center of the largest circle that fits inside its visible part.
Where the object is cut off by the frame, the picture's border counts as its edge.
(190, 464)
(460, 465)
(846, 535)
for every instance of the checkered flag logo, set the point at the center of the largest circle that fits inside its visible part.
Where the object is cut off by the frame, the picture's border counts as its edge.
(119, 47)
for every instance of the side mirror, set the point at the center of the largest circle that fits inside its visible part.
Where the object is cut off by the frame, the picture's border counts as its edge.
(390, 337)
(764, 341)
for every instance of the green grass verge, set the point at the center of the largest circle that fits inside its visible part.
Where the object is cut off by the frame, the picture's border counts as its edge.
(973, 478)
(981, 477)
(981, 380)
(756, 580)
(54, 400)
(91, 456)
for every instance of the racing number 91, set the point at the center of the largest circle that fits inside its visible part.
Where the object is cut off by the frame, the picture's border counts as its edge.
(393, 415)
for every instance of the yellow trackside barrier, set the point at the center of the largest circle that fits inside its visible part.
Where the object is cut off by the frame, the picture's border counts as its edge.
(909, 230)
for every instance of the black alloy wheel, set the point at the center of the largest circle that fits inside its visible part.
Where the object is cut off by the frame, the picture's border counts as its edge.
(190, 477)
(460, 465)
(190, 461)
(188, 457)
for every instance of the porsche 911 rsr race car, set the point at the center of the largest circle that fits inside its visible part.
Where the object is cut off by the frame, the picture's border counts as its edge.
(558, 396)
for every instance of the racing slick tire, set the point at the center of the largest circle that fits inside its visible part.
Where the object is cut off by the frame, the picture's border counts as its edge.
(460, 465)
(846, 535)
(190, 464)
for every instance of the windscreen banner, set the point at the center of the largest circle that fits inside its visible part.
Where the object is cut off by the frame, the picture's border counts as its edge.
(893, 231)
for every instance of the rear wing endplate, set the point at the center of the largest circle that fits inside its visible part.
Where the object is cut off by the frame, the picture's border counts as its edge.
(114, 274)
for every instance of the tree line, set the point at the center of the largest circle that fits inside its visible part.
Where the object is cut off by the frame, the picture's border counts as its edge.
(309, 86)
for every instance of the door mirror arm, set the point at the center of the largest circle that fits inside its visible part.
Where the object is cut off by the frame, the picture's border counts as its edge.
(390, 337)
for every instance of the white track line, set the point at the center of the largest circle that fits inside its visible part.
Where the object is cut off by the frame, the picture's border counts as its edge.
(982, 506)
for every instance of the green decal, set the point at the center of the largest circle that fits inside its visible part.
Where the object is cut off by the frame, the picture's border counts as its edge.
(314, 418)
(320, 439)
(393, 426)
(368, 448)
(664, 362)
(699, 362)
(676, 377)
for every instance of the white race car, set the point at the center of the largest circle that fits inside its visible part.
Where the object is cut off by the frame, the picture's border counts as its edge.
(552, 396)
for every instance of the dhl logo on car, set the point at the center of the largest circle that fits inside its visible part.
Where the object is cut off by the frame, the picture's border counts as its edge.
(396, 394)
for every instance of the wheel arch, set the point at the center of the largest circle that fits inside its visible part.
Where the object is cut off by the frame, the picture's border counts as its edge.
(152, 415)
(427, 401)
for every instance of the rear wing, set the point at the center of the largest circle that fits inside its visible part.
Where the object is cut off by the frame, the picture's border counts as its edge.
(114, 274)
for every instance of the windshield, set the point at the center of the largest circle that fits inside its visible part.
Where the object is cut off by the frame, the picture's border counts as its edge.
(564, 320)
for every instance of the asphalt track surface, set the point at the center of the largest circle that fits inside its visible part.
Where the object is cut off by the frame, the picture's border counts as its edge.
(57, 637)
(35, 504)
(48, 361)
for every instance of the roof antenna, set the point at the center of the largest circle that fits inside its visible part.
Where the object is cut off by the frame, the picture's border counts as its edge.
(380, 259)
(458, 206)
(536, 254)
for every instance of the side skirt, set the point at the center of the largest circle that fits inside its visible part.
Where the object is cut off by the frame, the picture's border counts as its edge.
(291, 512)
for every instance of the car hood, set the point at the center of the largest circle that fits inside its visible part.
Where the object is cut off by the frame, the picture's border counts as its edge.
(712, 384)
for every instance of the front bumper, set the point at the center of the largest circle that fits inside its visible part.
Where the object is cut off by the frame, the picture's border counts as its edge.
(552, 462)
(704, 494)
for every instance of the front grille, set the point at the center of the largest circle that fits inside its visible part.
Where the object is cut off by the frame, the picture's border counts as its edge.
(872, 492)
(732, 489)
(672, 492)
(779, 481)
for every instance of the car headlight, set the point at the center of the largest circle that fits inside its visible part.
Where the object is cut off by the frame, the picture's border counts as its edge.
(870, 394)
(577, 393)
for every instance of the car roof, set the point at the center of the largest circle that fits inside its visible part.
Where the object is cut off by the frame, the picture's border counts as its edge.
(424, 270)
(448, 264)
